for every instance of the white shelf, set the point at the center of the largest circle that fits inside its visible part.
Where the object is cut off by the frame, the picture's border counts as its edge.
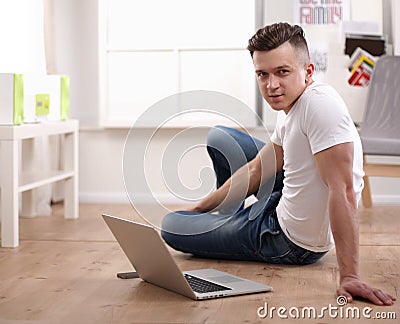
(16, 181)
(46, 128)
(34, 180)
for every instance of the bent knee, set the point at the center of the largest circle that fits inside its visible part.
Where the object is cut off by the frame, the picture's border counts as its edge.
(216, 135)
(168, 223)
(166, 228)
(176, 222)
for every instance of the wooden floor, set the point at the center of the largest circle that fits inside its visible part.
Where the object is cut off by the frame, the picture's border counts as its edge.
(64, 271)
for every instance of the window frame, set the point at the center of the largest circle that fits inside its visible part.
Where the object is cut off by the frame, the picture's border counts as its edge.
(105, 51)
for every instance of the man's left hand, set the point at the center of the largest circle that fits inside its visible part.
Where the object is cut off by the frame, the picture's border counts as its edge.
(354, 287)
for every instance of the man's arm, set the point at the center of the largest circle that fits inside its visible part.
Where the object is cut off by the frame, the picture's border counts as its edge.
(245, 181)
(335, 166)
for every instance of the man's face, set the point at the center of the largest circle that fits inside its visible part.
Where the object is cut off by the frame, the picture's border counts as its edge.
(281, 77)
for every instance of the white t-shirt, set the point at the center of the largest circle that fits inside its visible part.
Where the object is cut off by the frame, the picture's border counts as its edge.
(318, 120)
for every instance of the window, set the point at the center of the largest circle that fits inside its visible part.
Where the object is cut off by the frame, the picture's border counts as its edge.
(155, 49)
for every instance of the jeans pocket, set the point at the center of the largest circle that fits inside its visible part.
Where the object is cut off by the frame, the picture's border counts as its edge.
(303, 256)
(272, 225)
(310, 257)
(273, 248)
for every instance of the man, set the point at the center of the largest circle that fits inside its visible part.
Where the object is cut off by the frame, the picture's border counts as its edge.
(317, 148)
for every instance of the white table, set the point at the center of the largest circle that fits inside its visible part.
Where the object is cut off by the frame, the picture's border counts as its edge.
(20, 177)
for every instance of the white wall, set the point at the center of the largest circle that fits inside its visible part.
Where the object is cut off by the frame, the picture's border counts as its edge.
(396, 26)
(101, 150)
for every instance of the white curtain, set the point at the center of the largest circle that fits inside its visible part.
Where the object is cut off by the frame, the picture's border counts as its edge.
(55, 142)
(49, 43)
(27, 46)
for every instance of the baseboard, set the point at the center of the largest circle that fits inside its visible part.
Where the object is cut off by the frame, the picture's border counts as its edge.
(122, 198)
(167, 199)
(103, 198)
(392, 200)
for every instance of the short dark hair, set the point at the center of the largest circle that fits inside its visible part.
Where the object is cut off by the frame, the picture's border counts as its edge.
(273, 36)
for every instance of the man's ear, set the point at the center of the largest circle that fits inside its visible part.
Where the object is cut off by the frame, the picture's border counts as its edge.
(310, 68)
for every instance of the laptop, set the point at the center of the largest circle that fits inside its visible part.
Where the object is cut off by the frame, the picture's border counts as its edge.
(151, 259)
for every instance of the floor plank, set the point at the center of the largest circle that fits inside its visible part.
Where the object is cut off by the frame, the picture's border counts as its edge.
(64, 271)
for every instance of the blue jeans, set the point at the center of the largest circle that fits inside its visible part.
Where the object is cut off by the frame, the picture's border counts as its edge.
(250, 234)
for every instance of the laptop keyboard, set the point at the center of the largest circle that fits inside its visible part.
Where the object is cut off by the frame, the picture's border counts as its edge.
(203, 286)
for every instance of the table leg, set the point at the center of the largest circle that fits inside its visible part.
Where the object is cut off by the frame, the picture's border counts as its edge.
(71, 203)
(28, 165)
(9, 193)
